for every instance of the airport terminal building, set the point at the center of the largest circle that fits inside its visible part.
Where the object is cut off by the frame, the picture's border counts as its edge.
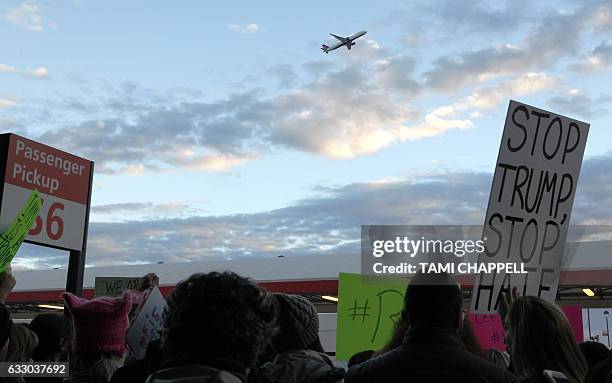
(586, 279)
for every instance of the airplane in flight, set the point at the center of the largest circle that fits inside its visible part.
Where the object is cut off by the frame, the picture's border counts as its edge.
(347, 42)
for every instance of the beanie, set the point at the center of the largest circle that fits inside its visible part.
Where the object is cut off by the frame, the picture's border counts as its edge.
(298, 320)
(99, 324)
(51, 329)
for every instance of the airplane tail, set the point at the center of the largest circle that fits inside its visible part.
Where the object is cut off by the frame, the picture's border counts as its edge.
(325, 48)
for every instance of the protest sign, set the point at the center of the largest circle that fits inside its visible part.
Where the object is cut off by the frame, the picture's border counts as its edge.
(114, 286)
(367, 312)
(11, 240)
(64, 183)
(148, 324)
(574, 316)
(489, 331)
(530, 204)
(370, 306)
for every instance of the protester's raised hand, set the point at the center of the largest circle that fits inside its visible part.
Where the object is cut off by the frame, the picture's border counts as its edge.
(7, 282)
(149, 281)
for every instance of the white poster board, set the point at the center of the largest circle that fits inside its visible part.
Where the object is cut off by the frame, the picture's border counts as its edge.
(530, 203)
(148, 324)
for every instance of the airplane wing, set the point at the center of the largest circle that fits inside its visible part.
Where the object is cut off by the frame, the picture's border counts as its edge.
(343, 39)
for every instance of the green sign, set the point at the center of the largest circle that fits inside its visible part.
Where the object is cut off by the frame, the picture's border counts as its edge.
(11, 240)
(368, 308)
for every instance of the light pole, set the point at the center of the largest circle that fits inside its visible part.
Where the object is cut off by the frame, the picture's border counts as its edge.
(606, 315)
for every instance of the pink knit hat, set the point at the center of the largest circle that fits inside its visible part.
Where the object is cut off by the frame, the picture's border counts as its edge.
(100, 324)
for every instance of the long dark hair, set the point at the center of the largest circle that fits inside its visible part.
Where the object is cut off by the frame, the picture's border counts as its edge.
(541, 338)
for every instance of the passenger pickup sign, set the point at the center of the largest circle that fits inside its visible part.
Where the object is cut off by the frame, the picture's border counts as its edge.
(63, 181)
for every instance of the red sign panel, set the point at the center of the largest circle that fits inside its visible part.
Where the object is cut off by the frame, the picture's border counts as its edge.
(62, 179)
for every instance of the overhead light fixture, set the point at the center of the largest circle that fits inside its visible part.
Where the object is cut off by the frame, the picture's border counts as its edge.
(588, 292)
(54, 307)
(330, 298)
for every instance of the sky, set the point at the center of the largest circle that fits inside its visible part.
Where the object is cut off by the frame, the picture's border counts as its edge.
(220, 129)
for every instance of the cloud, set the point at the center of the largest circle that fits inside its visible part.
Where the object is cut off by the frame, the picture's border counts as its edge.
(7, 69)
(599, 60)
(342, 107)
(326, 224)
(40, 72)
(477, 15)
(436, 123)
(459, 115)
(130, 211)
(396, 73)
(248, 28)
(6, 103)
(284, 74)
(158, 133)
(601, 16)
(556, 36)
(581, 104)
(490, 97)
(28, 16)
(149, 131)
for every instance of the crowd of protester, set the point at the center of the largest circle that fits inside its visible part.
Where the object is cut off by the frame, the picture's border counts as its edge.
(223, 328)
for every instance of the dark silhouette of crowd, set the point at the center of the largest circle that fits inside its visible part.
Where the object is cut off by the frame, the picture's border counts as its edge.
(220, 327)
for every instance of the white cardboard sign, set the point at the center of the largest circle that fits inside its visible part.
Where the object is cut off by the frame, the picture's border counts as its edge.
(148, 324)
(530, 203)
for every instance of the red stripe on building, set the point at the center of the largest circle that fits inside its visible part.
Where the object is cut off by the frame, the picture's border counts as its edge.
(288, 287)
(568, 278)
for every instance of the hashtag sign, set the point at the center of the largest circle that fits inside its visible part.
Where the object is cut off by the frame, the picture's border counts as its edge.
(359, 311)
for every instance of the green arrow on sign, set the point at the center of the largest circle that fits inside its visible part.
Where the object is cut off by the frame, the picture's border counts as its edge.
(11, 240)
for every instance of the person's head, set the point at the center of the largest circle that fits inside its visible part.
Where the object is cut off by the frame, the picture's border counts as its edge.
(54, 333)
(217, 315)
(22, 342)
(6, 324)
(433, 300)
(541, 338)
(298, 324)
(99, 325)
(594, 352)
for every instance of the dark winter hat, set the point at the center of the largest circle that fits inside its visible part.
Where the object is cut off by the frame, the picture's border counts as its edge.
(5, 325)
(298, 321)
(51, 329)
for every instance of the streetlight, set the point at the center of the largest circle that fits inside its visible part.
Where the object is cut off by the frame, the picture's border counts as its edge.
(606, 315)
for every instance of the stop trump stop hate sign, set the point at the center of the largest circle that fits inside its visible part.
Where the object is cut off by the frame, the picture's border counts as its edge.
(64, 183)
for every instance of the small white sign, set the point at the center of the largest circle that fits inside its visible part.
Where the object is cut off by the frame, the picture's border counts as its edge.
(148, 325)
